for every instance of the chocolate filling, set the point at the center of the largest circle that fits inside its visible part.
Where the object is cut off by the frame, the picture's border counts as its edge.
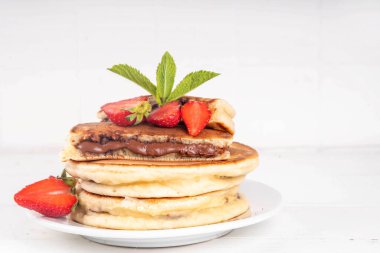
(153, 148)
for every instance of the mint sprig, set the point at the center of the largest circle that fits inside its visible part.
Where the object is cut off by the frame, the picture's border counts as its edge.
(165, 76)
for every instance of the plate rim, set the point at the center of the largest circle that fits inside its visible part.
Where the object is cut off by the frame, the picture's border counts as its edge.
(79, 229)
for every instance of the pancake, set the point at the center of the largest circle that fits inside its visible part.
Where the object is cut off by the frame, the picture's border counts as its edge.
(200, 217)
(170, 207)
(169, 188)
(243, 160)
(105, 140)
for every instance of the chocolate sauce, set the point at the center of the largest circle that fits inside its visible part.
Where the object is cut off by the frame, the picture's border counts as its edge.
(153, 148)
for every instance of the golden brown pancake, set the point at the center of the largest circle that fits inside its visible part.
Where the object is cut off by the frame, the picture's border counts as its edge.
(96, 130)
(105, 140)
(243, 159)
(169, 188)
(155, 207)
(234, 209)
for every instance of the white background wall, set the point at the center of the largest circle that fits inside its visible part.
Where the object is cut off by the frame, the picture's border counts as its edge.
(299, 73)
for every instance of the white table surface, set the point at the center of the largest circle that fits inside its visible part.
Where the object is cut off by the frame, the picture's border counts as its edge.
(332, 204)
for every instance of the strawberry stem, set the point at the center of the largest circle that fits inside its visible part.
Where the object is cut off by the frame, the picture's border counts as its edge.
(139, 112)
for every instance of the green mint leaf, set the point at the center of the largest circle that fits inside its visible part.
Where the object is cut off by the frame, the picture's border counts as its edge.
(165, 75)
(135, 76)
(190, 82)
(158, 100)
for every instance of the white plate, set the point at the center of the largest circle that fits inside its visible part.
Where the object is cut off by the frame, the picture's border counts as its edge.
(264, 201)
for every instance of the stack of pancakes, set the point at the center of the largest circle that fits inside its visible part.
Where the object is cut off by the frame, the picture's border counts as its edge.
(145, 177)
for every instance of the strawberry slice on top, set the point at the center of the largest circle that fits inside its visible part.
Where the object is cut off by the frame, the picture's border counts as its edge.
(51, 197)
(167, 115)
(196, 115)
(127, 112)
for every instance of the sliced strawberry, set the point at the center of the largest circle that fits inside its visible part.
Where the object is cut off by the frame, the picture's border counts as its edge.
(124, 113)
(50, 197)
(196, 115)
(167, 115)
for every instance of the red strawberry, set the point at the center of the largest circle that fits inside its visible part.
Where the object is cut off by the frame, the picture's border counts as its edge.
(196, 115)
(127, 112)
(167, 115)
(50, 197)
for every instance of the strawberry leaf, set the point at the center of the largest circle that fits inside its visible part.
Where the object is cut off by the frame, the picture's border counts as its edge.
(138, 112)
(190, 82)
(75, 205)
(139, 118)
(70, 181)
(135, 76)
(131, 117)
(165, 75)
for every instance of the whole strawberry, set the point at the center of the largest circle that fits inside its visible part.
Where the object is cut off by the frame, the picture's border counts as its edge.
(128, 112)
(52, 197)
(167, 115)
(196, 115)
